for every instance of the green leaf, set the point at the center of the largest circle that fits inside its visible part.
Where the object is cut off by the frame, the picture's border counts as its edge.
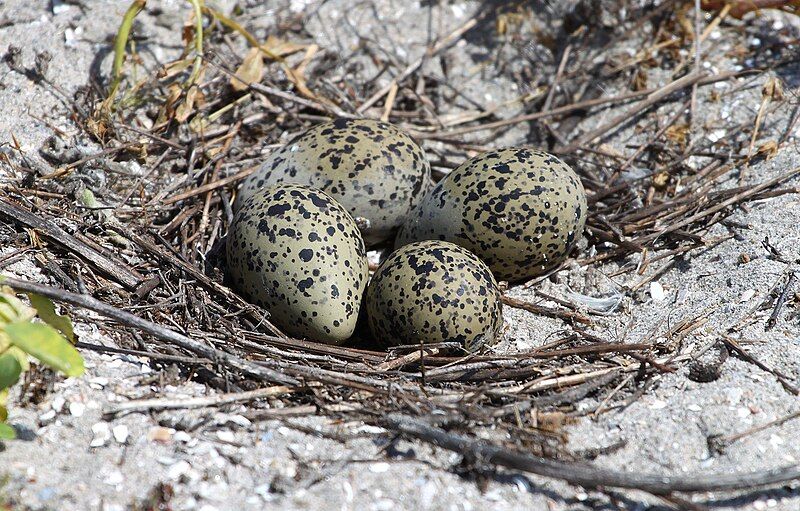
(7, 432)
(47, 313)
(12, 309)
(21, 357)
(45, 343)
(9, 370)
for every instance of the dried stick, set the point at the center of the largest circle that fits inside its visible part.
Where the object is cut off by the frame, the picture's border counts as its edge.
(162, 357)
(773, 318)
(726, 440)
(566, 315)
(782, 378)
(672, 120)
(652, 99)
(408, 358)
(581, 474)
(450, 39)
(183, 403)
(581, 105)
(739, 197)
(210, 186)
(201, 278)
(117, 271)
(165, 334)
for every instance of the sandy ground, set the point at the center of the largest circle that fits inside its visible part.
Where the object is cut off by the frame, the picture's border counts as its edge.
(69, 457)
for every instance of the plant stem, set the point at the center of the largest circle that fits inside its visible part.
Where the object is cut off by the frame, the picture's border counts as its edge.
(121, 41)
(198, 41)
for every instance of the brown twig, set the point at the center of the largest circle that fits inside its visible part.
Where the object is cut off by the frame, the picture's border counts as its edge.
(184, 403)
(157, 331)
(584, 475)
(116, 270)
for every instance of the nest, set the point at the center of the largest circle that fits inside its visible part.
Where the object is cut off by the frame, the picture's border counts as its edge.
(138, 248)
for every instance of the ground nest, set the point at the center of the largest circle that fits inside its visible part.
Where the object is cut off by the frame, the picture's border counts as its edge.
(133, 231)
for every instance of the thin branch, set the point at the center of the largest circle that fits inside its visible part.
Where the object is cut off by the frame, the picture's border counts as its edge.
(157, 331)
(585, 475)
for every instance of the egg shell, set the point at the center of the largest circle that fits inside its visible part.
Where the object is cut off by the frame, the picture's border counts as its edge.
(298, 253)
(376, 171)
(434, 291)
(520, 210)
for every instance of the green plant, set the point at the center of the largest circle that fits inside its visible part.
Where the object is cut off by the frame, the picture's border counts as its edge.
(48, 340)
(123, 33)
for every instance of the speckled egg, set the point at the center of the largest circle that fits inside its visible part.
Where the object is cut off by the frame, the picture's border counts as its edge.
(377, 172)
(520, 210)
(434, 291)
(298, 253)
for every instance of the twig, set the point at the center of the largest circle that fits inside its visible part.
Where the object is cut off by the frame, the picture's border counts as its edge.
(450, 39)
(566, 315)
(581, 105)
(408, 358)
(782, 378)
(739, 197)
(672, 120)
(726, 440)
(157, 331)
(564, 397)
(210, 186)
(651, 100)
(278, 413)
(776, 312)
(698, 40)
(581, 474)
(389, 104)
(201, 278)
(183, 403)
(116, 270)
(139, 353)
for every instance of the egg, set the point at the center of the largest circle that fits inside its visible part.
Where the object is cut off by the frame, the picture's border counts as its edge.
(298, 253)
(377, 172)
(520, 210)
(434, 291)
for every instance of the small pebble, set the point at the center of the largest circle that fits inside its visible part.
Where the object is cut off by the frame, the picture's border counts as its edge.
(182, 437)
(178, 470)
(114, 478)
(239, 420)
(102, 433)
(226, 436)
(121, 433)
(47, 417)
(58, 404)
(76, 409)
(379, 468)
(98, 382)
(159, 434)
(657, 292)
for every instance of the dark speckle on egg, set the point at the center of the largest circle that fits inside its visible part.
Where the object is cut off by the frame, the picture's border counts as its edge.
(297, 253)
(377, 172)
(434, 291)
(520, 210)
